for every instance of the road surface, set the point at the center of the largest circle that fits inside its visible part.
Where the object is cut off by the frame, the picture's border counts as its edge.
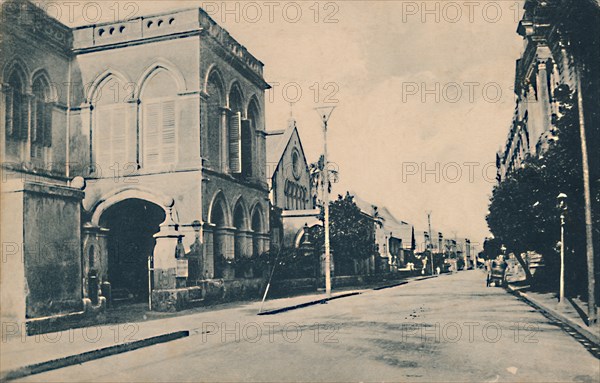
(449, 328)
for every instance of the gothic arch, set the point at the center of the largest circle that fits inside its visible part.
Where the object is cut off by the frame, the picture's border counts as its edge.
(214, 74)
(160, 64)
(106, 75)
(253, 110)
(220, 202)
(258, 219)
(239, 207)
(42, 75)
(235, 90)
(16, 64)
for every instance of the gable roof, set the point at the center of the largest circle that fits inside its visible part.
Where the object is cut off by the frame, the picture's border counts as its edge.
(400, 229)
(277, 142)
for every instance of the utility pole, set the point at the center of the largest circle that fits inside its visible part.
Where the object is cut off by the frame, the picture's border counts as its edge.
(592, 314)
(430, 239)
(563, 207)
(324, 114)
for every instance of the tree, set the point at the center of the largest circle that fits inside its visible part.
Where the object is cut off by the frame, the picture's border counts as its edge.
(352, 232)
(491, 248)
(523, 212)
(317, 170)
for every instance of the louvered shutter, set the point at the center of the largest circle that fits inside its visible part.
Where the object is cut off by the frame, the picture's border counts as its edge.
(47, 128)
(10, 99)
(37, 114)
(246, 154)
(235, 127)
(169, 147)
(103, 131)
(152, 131)
(21, 116)
(119, 136)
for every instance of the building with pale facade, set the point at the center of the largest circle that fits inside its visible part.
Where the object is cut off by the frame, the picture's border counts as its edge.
(560, 40)
(133, 161)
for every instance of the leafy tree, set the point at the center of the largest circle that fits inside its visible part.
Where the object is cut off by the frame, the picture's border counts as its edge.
(351, 232)
(523, 212)
(491, 248)
(317, 171)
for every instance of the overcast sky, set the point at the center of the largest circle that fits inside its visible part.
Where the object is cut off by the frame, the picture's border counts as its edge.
(375, 60)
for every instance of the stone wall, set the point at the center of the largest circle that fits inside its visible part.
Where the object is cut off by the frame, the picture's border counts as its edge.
(44, 277)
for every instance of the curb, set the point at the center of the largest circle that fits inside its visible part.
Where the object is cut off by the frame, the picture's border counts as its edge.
(71, 360)
(585, 333)
(325, 300)
(311, 303)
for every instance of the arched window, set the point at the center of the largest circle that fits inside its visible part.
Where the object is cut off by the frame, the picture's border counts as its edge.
(212, 147)
(159, 120)
(41, 122)
(235, 130)
(248, 139)
(16, 113)
(113, 137)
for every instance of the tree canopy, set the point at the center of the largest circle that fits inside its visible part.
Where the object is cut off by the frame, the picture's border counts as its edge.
(523, 212)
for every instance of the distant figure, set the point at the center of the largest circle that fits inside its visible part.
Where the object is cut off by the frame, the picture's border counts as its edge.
(437, 270)
(488, 267)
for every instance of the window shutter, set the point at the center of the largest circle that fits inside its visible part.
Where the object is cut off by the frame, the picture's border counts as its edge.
(168, 133)
(103, 130)
(10, 97)
(47, 128)
(152, 133)
(246, 154)
(118, 141)
(235, 128)
(20, 116)
(37, 114)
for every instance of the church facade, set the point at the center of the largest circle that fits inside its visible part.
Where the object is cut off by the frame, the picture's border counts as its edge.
(293, 207)
(134, 161)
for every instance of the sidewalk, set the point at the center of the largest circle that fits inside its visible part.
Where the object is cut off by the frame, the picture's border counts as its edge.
(570, 312)
(24, 355)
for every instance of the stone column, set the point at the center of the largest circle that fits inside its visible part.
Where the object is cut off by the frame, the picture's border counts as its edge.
(264, 243)
(543, 94)
(208, 272)
(224, 236)
(247, 243)
(195, 255)
(91, 254)
(167, 251)
(246, 251)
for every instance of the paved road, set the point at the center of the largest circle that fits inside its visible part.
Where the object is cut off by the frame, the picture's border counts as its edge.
(450, 328)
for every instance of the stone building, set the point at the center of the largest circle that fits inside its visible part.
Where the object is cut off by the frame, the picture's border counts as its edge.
(561, 39)
(293, 208)
(133, 160)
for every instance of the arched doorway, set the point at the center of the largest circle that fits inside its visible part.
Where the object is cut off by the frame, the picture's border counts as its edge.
(132, 224)
(218, 219)
(241, 227)
(257, 232)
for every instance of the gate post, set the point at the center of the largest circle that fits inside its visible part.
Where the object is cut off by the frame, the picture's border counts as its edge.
(167, 251)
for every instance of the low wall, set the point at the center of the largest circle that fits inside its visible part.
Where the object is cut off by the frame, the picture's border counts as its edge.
(207, 292)
(303, 285)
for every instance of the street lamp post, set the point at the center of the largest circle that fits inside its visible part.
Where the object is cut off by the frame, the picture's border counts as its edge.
(324, 114)
(562, 204)
(430, 239)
